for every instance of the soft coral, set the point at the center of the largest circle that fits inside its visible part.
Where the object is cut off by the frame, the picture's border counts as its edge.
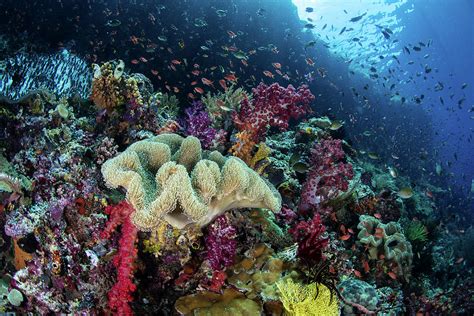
(121, 293)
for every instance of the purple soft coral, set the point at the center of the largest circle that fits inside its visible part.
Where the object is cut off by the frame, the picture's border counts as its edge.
(198, 123)
(221, 244)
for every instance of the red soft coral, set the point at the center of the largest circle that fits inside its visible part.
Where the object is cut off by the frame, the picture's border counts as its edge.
(121, 293)
(328, 176)
(274, 106)
(311, 240)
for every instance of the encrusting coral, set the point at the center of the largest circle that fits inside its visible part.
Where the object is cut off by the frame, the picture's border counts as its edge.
(167, 179)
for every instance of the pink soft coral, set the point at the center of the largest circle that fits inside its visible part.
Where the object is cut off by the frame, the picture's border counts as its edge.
(328, 176)
(272, 106)
(121, 293)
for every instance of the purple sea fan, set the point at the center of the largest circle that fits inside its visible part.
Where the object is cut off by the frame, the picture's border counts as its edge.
(198, 123)
(221, 244)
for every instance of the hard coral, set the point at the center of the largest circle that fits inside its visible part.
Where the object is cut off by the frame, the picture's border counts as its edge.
(310, 238)
(272, 106)
(121, 293)
(167, 180)
(327, 177)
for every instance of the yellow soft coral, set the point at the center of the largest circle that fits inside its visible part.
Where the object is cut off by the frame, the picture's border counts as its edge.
(307, 300)
(167, 179)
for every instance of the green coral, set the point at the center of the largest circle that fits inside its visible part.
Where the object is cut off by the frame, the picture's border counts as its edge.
(168, 105)
(223, 102)
(416, 232)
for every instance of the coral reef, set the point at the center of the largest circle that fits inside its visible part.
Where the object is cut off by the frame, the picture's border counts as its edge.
(117, 205)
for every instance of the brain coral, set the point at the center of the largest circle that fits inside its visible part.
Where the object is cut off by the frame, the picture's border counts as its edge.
(169, 178)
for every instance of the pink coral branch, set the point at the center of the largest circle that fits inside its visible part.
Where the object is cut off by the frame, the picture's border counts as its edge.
(121, 293)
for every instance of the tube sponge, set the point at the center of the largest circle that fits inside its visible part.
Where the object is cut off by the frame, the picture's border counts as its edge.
(167, 179)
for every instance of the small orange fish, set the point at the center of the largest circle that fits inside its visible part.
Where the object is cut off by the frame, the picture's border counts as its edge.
(345, 237)
(207, 82)
(176, 62)
(223, 84)
(365, 264)
(176, 89)
(195, 72)
(230, 77)
(244, 62)
(134, 39)
(379, 233)
(173, 67)
(196, 65)
(278, 71)
(429, 194)
(134, 61)
(357, 273)
(143, 59)
(309, 61)
(191, 96)
(268, 74)
(194, 83)
(277, 65)
(168, 87)
(459, 260)
(231, 34)
(378, 215)
(154, 72)
(350, 231)
(392, 275)
(199, 90)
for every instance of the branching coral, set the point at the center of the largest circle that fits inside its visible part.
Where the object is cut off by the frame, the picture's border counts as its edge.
(272, 106)
(167, 180)
(327, 177)
(307, 300)
(121, 293)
